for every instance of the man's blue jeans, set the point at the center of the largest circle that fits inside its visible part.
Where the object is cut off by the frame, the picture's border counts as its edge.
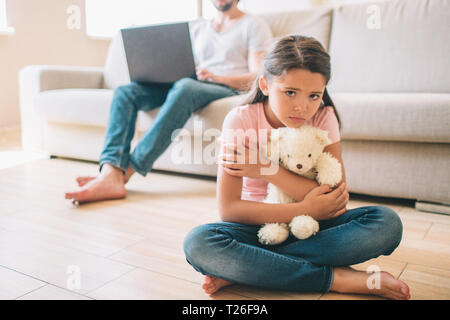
(177, 101)
(231, 251)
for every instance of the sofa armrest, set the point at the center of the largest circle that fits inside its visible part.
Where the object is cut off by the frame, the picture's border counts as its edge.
(47, 77)
(36, 78)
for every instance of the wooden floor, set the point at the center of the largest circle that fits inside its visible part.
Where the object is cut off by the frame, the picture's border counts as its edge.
(132, 248)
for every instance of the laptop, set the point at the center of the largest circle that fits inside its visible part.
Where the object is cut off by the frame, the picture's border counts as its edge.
(159, 53)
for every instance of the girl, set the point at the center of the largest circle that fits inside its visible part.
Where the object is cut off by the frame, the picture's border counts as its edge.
(291, 91)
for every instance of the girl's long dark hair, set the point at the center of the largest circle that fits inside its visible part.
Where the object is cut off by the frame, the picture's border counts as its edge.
(294, 52)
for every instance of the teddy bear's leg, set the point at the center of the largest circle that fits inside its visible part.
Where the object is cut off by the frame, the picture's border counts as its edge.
(328, 170)
(273, 233)
(302, 227)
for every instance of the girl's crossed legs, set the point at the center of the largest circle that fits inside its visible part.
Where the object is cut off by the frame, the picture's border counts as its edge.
(230, 253)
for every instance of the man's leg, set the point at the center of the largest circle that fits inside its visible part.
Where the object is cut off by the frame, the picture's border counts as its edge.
(184, 98)
(127, 101)
(114, 159)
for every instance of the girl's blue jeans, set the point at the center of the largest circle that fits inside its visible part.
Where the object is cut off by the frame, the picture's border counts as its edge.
(177, 101)
(231, 251)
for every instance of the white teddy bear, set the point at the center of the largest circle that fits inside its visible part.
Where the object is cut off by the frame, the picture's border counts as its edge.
(299, 150)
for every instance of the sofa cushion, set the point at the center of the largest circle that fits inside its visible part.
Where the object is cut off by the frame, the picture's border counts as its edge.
(314, 23)
(77, 106)
(91, 107)
(211, 116)
(418, 117)
(414, 117)
(408, 53)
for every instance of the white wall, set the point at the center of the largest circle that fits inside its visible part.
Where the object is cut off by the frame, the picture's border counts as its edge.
(41, 37)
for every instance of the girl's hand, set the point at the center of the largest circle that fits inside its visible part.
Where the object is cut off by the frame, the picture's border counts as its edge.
(322, 205)
(245, 161)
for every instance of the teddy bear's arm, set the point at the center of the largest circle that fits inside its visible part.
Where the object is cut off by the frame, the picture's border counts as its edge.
(329, 170)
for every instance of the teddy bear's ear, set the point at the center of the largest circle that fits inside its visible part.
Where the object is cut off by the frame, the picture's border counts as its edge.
(322, 137)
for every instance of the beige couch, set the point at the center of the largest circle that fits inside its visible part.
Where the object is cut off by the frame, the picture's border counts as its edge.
(390, 83)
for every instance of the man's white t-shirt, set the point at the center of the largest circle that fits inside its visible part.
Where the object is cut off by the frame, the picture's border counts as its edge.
(226, 53)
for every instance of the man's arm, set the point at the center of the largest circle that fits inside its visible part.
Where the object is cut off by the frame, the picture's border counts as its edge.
(241, 82)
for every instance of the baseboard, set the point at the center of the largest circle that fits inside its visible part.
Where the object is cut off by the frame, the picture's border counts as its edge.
(433, 207)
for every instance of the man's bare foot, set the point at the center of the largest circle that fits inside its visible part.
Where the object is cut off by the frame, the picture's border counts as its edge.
(213, 284)
(348, 280)
(82, 180)
(110, 184)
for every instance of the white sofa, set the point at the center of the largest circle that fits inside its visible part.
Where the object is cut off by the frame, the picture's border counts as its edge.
(390, 85)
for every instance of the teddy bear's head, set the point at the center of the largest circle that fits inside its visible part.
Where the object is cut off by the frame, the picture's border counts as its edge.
(297, 149)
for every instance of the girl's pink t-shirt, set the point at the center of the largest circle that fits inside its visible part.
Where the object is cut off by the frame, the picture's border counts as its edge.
(252, 116)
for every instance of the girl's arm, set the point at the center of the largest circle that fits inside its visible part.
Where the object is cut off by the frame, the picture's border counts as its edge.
(318, 204)
(298, 187)
(233, 209)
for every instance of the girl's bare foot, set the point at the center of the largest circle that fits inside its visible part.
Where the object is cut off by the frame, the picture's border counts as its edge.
(110, 184)
(213, 284)
(348, 280)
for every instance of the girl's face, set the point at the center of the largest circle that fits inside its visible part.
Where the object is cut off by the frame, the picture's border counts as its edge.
(293, 98)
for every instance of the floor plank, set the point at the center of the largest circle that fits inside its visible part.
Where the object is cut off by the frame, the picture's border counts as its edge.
(143, 284)
(427, 283)
(51, 262)
(14, 284)
(426, 253)
(50, 292)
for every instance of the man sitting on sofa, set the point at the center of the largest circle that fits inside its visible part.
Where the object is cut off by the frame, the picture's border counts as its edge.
(227, 62)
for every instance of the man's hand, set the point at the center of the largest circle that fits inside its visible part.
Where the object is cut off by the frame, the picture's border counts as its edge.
(205, 75)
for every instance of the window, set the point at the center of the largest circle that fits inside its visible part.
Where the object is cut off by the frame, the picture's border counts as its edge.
(4, 28)
(105, 17)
